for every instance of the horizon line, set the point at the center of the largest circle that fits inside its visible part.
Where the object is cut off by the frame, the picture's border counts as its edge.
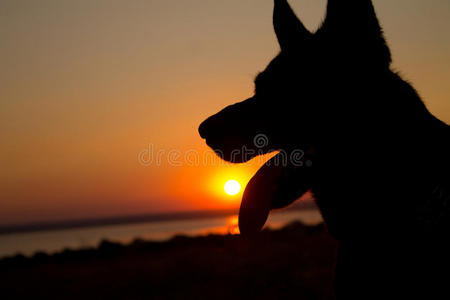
(130, 219)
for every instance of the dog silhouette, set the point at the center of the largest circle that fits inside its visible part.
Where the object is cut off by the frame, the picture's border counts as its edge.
(377, 159)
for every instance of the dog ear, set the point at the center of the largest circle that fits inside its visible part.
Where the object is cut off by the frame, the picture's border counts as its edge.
(289, 29)
(353, 25)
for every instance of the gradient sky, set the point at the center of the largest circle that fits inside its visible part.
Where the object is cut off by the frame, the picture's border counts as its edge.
(86, 86)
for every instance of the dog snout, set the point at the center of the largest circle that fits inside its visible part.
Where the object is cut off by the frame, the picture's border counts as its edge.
(202, 130)
(213, 126)
(226, 120)
(206, 127)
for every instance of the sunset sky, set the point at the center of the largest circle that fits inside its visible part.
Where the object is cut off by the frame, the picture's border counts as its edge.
(89, 89)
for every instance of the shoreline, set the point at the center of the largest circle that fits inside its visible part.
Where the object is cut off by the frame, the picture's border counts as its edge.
(132, 219)
(296, 260)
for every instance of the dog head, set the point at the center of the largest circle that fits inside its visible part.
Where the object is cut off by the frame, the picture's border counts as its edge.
(299, 96)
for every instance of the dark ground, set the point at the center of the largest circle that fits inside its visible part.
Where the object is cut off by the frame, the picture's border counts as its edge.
(295, 262)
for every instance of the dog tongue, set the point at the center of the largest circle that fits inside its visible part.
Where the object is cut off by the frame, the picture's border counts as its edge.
(275, 185)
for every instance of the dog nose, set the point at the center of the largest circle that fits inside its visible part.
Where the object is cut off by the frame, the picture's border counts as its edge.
(202, 129)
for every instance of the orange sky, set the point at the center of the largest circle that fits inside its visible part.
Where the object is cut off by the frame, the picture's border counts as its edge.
(88, 85)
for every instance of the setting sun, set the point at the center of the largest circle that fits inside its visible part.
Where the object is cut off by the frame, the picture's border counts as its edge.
(232, 187)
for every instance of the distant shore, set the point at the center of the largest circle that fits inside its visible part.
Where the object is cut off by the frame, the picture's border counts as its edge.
(295, 262)
(135, 219)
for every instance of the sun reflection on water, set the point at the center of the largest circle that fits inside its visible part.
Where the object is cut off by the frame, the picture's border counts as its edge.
(233, 225)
